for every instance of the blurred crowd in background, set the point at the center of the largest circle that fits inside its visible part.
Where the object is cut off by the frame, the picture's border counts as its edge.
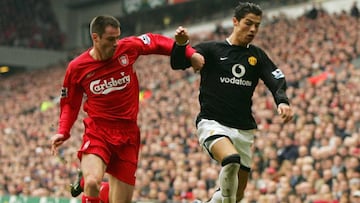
(29, 24)
(33, 23)
(313, 159)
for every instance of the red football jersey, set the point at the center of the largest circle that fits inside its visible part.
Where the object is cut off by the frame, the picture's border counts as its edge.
(110, 87)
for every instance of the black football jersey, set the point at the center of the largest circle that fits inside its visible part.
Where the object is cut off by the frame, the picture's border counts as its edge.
(229, 78)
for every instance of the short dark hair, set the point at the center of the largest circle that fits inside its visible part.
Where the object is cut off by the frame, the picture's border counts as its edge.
(245, 8)
(99, 23)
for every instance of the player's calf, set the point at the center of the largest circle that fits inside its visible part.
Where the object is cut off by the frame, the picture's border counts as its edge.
(229, 178)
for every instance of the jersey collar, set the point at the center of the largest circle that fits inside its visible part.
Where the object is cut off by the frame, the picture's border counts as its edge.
(228, 41)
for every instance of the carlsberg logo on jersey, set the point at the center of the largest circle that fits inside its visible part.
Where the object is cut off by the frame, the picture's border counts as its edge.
(107, 86)
(238, 71)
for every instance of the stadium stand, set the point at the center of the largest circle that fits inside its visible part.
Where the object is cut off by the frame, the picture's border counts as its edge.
(316, 158)
(30, 24)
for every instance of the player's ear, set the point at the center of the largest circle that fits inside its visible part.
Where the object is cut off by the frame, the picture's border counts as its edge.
(95, 37)
(235, 21)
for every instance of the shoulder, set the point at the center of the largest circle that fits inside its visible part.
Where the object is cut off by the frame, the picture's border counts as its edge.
(253, 47)
(143, 39)
(82, 58)
(256, 50)
(209, 45)
(130, 43)
(80, 62)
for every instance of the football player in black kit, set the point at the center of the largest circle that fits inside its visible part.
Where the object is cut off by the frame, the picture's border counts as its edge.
(229, 75)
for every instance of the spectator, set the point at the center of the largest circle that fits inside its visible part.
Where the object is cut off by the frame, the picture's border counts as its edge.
(289, 151)
(168, 131)
(354, 10)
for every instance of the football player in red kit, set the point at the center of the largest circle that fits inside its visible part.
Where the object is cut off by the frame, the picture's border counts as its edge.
(105, 75)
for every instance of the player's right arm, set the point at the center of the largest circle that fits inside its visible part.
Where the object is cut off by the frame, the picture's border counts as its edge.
(70, 103)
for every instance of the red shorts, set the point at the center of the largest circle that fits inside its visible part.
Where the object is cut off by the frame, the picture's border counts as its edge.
(117, 143)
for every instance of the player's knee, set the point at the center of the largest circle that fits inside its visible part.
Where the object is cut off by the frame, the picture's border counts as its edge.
(92, 183)
(231, 163)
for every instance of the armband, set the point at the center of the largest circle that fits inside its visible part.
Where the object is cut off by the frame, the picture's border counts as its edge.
(178, 59)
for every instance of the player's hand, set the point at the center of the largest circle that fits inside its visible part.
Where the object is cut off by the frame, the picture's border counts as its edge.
(197, 62)
(285, 112)
(181, 36)
(56, 141)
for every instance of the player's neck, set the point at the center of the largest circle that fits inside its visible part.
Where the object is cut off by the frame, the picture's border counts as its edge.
(95, 55)
(233, 41)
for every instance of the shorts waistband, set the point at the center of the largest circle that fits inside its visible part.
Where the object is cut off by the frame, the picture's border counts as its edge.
(115, 123)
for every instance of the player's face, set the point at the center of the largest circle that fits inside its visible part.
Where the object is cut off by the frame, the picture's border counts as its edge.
(246, 29)
(107, 43)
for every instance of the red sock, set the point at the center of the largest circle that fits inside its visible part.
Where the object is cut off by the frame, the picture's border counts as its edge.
(104, 192)
(87, 199)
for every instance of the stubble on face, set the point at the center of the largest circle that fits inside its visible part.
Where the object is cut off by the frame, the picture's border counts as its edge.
(108, 42)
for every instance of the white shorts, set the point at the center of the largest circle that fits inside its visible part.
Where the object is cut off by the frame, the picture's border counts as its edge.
(242, 139)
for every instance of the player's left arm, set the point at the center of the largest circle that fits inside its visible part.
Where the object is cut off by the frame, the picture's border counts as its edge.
(275, 80)
(151, 43)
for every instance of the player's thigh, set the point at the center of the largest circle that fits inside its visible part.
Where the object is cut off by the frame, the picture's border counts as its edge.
(215, 138)
(120, 192)
(92, 166)
(221, 148)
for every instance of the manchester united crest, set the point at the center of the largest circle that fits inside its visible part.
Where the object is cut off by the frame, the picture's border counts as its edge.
(252, 60)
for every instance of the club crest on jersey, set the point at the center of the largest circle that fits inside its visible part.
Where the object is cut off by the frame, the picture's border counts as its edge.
(252, 60)
(123, 60)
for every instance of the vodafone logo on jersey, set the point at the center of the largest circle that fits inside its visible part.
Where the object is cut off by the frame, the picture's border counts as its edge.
(109, 85)
(238, 71)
